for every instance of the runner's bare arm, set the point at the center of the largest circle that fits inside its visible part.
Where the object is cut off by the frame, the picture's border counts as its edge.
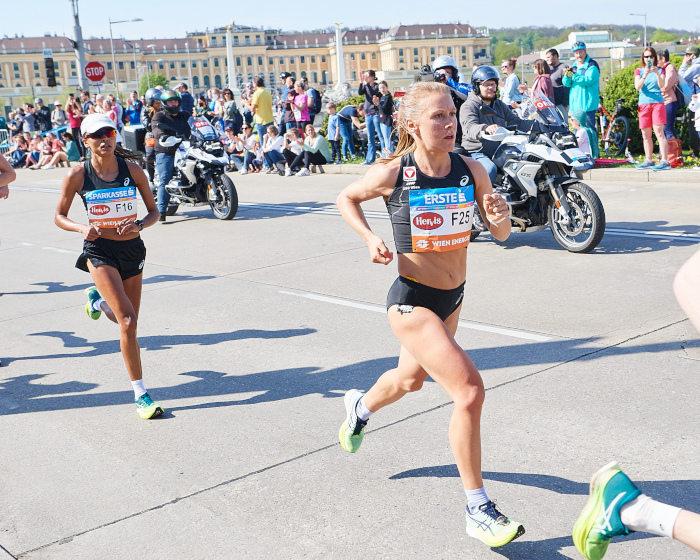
(492, 205)
(139, 177)
(7, 175)
(379, 181)
(72, 184)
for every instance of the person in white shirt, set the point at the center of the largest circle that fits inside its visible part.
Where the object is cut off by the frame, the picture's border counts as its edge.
(272, 148)
(695, 107)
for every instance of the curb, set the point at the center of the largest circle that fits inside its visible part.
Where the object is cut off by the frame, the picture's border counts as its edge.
(672, 176)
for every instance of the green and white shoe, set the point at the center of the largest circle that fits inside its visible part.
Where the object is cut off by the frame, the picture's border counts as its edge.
(490, 526)
(600, 519)
(352, 430)
(93, 295)
(146, 408)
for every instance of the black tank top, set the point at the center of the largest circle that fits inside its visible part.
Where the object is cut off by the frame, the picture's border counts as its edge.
(92, 181)
(431, 214)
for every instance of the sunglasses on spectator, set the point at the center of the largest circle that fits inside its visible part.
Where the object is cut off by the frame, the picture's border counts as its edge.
(648, 56)
(102, 133)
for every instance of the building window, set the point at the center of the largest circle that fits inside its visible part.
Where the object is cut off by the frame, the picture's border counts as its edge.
(314, 77)
(207, 83)
(131, 64)
(109, 66)
(432, 51)
(223, 41)
(194, 64)
(213, 41)
(195, 82)
(401, 59)
(257, 39)
(323, 58)
(400, 52)
(216, 63)
(199, 42)
(15, 66)
(72, 65)
(238, 61)
(374, 56)
(172, 65)
(324, 77)
(247, 39)
(37, 75)
(235, 40)
(302, 59)
(352, 57)
(36, 66)
(464, 57)
(121, 65)
(250, 61)
(303, 73)
(449, 50)
(217, 81)
(415, 59)
(260, 63)
(72, 74)
(291, 60)
(354, 76)
(415, 52)
(271, 61)
(183, 64)
(362, 56)
(160, 65)
(313, 59)
(205, 63)
(464, 49)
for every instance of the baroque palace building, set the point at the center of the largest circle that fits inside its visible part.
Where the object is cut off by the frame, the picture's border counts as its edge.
(200, 58)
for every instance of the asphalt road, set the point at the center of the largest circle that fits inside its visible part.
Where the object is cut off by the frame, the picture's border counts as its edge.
(251, 332)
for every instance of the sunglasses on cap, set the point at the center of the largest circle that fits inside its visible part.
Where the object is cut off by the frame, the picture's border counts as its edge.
(102, 133)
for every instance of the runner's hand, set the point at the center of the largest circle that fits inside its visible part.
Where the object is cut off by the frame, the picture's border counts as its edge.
(495, 207)
(378, 251)
(127, 226)
(91, 232)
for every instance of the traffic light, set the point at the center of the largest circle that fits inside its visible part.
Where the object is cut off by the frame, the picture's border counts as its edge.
(50, 72)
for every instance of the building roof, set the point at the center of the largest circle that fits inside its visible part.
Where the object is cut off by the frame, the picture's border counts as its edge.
(302, 40)
(92, 46)
(442, 29)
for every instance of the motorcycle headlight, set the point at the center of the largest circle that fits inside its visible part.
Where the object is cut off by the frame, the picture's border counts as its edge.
(564, 141)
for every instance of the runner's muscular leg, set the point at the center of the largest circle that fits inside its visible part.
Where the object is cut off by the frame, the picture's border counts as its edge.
(448, 364)
(112, 289)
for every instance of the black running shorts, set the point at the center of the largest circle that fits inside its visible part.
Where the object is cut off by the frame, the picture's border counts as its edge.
(128, 257)
(408, 294)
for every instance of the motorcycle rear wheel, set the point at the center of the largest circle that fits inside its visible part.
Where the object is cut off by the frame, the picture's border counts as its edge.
(587, 215)
(227, 205)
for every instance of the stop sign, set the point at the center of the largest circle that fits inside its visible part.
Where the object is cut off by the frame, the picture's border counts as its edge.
(95, 71)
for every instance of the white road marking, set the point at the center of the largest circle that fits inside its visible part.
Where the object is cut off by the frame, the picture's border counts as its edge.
(465, 324)
(67, 251)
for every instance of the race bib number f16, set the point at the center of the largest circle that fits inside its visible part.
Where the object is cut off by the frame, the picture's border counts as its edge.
(107, 207)
(441, 219)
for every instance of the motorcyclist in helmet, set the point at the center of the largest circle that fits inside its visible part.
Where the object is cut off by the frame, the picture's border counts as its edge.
(474, 123)
(445, 70)
(170, 126)
(151, 107)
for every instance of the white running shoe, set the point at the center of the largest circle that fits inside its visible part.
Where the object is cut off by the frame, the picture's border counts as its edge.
(287, 172)
(304, 173)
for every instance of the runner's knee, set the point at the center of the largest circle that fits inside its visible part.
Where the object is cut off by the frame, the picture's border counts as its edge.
(411, 385)
(127, 324)
(470, 397)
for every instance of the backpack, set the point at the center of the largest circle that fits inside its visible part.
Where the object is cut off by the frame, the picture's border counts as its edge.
(239, 123)
(680, 96)
(316, 106)
(675, 152)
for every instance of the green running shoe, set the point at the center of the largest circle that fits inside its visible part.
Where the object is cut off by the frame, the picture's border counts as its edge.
(353, 429)
(93, 295)
(490, 526)
(147, 408)
(600, 519)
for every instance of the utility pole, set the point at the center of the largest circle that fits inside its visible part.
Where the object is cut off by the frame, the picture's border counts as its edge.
(78, 45)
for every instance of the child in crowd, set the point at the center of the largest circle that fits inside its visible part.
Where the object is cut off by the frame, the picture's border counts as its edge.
(333, 133)
(586, 137)
(272, 148)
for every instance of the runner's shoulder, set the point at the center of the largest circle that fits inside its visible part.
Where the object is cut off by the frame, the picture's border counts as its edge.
(76, 176)
(384, 172)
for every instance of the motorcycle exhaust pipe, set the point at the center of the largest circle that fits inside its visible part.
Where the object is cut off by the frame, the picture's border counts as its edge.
(522, 224)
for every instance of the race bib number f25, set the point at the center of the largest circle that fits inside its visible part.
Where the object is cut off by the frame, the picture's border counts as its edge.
(441, 219)
(108, 207)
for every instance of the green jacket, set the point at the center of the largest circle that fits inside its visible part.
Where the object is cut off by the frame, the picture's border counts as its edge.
(584, 86)
(319, 145)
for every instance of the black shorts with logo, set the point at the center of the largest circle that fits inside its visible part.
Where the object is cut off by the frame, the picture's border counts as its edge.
(407, 294)
(128, 257)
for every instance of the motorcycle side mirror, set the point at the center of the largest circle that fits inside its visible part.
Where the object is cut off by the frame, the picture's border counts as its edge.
(487, 111)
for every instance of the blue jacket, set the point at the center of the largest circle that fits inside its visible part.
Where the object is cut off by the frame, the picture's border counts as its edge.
(585, 86)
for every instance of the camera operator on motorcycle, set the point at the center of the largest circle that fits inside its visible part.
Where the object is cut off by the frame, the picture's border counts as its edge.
(152, 106)
(445, 71)
(475, 124)
(170, 127)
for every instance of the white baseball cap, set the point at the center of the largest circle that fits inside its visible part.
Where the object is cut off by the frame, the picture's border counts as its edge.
(93, 123)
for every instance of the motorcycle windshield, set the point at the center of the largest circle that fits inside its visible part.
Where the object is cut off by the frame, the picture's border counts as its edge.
(542, 109)
(202, 127)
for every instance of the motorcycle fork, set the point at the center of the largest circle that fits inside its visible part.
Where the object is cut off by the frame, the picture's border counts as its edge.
(558, 195)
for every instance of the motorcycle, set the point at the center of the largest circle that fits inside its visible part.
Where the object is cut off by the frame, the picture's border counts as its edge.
(539, 177)
(198, 175)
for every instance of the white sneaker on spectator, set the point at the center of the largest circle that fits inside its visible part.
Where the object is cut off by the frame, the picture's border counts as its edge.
(287, 172)
(304, 173)
(243, 171)
(48, 166)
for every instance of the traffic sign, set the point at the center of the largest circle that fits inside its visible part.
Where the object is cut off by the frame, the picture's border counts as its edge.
(95, 71)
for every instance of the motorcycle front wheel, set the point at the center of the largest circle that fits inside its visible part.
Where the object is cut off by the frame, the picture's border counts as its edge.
(226, 206)
(587, 219)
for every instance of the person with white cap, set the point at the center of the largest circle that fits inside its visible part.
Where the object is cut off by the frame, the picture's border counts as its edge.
(113, 252)
(59, 117)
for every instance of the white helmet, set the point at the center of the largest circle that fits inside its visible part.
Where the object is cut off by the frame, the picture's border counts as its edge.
(445, 61)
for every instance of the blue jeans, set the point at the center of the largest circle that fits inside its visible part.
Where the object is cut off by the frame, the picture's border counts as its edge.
(348, 147)
(385, 137)
(165, 163)
(484, 160)
(236, 160)
(272, 157)
(262, 130)
(590, 119)
(372, 122)
(669, 127)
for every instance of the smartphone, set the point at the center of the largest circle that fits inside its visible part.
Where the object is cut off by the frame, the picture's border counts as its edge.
(649, 63)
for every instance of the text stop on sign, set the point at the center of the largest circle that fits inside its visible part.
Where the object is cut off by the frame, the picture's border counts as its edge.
(95, 71)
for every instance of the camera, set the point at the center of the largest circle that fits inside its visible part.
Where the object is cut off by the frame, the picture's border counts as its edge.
(426, 74)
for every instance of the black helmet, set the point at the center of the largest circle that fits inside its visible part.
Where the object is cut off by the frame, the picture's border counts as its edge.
(169, 95)
(483, 74)
(284, 75)
(151, 95)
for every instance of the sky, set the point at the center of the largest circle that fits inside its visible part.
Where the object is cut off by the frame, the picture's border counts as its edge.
(173, 18)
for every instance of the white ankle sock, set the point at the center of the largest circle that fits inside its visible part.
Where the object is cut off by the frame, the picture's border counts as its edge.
(139, 389)
(363, 413)
(649, 516)
(476, 498)
(97, 305)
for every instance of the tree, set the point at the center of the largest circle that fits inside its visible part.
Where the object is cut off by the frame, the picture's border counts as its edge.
(504, 51)
(155, 80)
(660, 36)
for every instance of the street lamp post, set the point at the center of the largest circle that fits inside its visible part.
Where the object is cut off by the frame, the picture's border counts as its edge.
(644, 15)
(136, 68)
(111, 42)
